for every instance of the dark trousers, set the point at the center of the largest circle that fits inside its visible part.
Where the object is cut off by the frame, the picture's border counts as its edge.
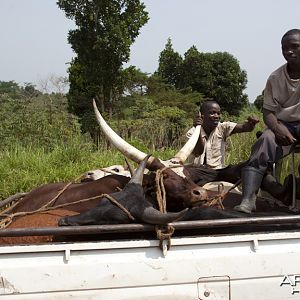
(203, 174)
(266, 151)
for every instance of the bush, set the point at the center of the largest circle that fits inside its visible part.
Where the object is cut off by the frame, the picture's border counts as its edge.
(42, 121)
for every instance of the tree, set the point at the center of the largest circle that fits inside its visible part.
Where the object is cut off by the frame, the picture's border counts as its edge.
(10, 88)
(215, 75)
(135, 81)
(29, 90)
(170, 65)
(258, 102)
(105, 31)
(196, 71)
(228, 82)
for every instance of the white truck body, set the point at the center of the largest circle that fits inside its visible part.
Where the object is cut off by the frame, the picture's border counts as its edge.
(247, 266)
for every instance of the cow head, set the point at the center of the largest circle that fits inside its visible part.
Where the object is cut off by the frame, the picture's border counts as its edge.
(180, 189)
(131, 205)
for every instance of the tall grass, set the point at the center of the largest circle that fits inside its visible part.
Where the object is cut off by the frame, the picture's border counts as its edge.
(24, 168)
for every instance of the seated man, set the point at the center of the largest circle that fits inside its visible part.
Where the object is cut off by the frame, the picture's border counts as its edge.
(208, 157)
(281, 111)
(210, 148)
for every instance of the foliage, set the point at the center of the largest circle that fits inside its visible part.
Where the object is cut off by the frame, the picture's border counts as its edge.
(239, 145)
(170, 65)
(15, 91)
(259, 102)
(24, 168)
(105, 31)
(228, 83)
(10, 88)
(134, 81)
(41, 121)
(215, 75)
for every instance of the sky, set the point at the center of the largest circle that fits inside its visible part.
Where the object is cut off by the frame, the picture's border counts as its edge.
(34, 46)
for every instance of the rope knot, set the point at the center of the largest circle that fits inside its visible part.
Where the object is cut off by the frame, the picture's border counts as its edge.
(164, 233)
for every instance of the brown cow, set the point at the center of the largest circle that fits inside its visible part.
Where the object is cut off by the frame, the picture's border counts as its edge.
(37, 220)
(74, 192)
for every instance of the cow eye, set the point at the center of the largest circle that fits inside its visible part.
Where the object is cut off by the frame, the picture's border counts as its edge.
(116, 170)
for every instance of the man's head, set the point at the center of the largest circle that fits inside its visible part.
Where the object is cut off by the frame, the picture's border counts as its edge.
(290, 45)
(210, 111)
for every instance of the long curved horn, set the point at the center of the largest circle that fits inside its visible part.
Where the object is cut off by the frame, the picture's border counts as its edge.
(124, 147)
(137, 177)
(189, 146)
(154, 216)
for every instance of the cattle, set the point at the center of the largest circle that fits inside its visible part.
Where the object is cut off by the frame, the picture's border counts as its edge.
(126, 206)
(54, 194)
(99, 173)
(134, 207)
(180, 189)
(38, 220)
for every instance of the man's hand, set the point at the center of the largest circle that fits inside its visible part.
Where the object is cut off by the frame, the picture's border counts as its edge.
(198, 120)
(247, 126)
(253, 120)
(283, 136)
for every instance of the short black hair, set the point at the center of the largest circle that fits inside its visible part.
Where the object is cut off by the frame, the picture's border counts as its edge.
(290, 32)
(206, 104)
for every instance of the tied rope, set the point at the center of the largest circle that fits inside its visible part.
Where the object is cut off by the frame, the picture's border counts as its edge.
(218, 199)
(162, 232)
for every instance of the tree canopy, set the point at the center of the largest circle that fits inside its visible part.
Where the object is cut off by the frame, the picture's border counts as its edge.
(216, 75)
(105, 31)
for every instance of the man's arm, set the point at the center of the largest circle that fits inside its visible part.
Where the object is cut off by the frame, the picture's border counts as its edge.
(199, 148)
(282, 134)
(247, 126)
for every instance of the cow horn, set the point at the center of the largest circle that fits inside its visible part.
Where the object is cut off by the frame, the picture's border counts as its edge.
(124, 147)
(153, 216)
(130, 168)
(137, 177)
(189, 146)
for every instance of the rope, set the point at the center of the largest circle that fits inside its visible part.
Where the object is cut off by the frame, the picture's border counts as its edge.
(162, 232)
(12, 198)
(160, 190)
(219, 198)
(114, 201)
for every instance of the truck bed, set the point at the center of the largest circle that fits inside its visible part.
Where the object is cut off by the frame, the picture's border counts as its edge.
(217, 259)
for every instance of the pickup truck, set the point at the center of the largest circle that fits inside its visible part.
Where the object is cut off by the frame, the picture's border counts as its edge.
(236, 259)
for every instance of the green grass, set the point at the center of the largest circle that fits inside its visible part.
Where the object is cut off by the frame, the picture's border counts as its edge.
(24, 168)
